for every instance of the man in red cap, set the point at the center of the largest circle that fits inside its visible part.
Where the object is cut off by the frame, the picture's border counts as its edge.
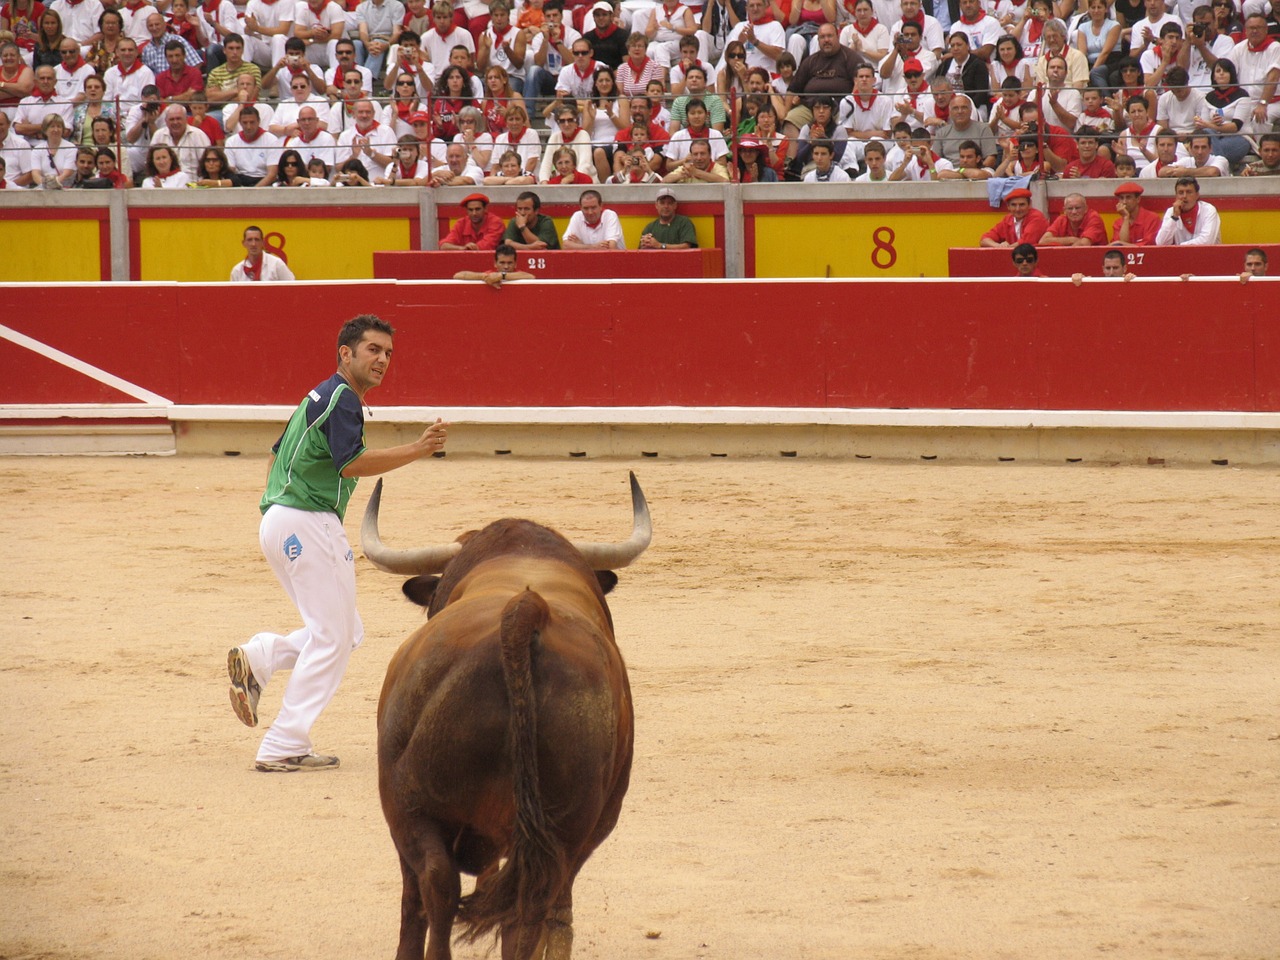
(1024, 224)
(1078, 226)
(1135, 227)
(478, 230)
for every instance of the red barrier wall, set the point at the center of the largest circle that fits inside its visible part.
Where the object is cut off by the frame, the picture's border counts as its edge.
(1150, 345)
(1220, 260)
(554, 264)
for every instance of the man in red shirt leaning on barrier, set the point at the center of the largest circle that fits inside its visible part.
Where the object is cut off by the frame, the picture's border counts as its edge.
(478, 230)
(1135, 227)
(1078, 226)
(1024, 224)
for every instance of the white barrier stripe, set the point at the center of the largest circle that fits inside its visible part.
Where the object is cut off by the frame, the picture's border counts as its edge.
(80, 366)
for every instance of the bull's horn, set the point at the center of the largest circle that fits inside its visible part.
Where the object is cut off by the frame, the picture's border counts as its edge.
(419, 562)
(613, 556)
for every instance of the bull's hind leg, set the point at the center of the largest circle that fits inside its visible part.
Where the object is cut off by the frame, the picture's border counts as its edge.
(429, 901)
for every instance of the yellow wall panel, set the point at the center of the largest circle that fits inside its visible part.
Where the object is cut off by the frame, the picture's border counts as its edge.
(324, 248)
(50, 250)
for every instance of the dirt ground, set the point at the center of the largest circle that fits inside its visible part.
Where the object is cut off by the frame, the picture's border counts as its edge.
(884, 710)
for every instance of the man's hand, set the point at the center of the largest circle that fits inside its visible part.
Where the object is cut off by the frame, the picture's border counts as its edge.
(433, 438)
(647, 242)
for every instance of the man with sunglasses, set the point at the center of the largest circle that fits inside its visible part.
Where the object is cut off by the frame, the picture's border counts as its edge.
(1025, 259)
(908, 62)
(577, 79)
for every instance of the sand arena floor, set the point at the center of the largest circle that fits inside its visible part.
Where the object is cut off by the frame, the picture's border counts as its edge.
(884, 710)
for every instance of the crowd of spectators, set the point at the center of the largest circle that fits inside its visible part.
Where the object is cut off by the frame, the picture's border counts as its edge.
(311, 93)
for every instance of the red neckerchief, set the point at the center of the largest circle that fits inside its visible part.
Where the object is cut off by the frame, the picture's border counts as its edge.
(1143, 134)
(407, 174)
(695, 134)
(941, 112)
(608, 31)
(637, 71)
(339, 74)
(767, 18)
(865, 106)
(969, 23)
(1189, 218)
(166, 176)
(1262, 46)
(498, 38)
(296, 71)
(1225, 91)
(1160, 165)
(569, 138)
(918, 18)
(253, 139)
(211, 6)
(78, 64)
(74, 3)
(45, 97)
(137, 65)
(364, 133)
(1011, 70)
(914, 97)
(871, 26)
(669, 10)
(4, 184)
(313, 139)
(135, 7)
(1034, 29)
(253, 271)
(581, 75)
(1097, 112)
(403, 109)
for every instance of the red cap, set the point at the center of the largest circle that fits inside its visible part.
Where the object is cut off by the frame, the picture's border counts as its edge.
(748, 143)
(474, 196)
(912, 65)
(420, 116)
(1127, 188)
(1019, 194)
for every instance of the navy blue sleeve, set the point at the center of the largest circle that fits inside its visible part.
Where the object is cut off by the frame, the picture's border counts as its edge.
(344, 429)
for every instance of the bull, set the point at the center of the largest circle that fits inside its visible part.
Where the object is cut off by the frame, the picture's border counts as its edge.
(505, 730)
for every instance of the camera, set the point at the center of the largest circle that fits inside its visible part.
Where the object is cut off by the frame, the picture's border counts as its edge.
(1196, 30)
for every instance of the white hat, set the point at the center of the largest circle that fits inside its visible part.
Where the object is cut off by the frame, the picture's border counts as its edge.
(606, 7)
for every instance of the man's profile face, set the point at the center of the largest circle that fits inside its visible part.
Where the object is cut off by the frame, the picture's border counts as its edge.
(366, 364)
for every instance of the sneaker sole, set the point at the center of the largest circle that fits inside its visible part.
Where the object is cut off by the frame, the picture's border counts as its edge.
(240, 673)
(292, 766)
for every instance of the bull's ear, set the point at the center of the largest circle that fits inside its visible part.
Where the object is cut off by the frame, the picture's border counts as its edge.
(421, 589)
(608, 580)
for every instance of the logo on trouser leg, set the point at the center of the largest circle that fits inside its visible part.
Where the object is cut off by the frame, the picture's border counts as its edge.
(293, 547)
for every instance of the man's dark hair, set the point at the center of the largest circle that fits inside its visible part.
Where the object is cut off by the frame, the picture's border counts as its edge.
(970, 145)
(173, 45)
(1269, 138)
(504, 250)
(589, 193)
(875, 146)
(1113, 255)
(233, 38)
(294, 45)
(694, 102)
(530, 195)
(1187, 182)
(826, 145)
(250, 228)
(411, 35)
(353, 330)
(1026, 250)
(1257, 252)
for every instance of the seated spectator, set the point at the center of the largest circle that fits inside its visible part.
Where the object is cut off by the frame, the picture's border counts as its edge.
(967, 73)
(70, 72)
(824, 165)
(1096, 118)
(670, 32)
(188, 142)
(408, 169)
(696, 128)
(1090, 164)
(509, 172)
(567, 134)
(85, 171)
(90, 108)
(17, 80)
(109, 169)
(258, 266)
(920, 161)
(521, 138)
(251, 150)
(405, 59)
(1077, 226)
(1159, 57)
(1025, 257)
(763, 38)
(1129, 83)
(1255, 264)
(910, 65)
(221, 85)
(698, 166)
(7, 182)
(200, 120)
(865, 34)
(823, 126)
(29, 118)
(1136, 226)
(637, 68)
(671, 231)
(284, 123)
(1098, 37)
(163, 170)
(593, 227)
(499, 95)
(696, 89)
(865, 115)
(317, 173)
(1202, 162)
(961, 127)
(1126, 169)
(1189, 221)
(140, 125)
(153, 52)
(1062, 103)
(342, 113)
(377, 28)
(504, 269)
(1268, 162)
(179, 82)
(529, 229)
(1024, 223)
(366, 140)
(352, 173)
(826, 73)
(182, 23)
(567, 172)
(1021, 158)
(1054, 41)
(473, 135)
(215, 171)
(1166, 159)
(1005, 121)
(634, 160)
(293, 65)
(321, 25)
(219, 21)
(478, 230)
(53, 163)
(312, 140)
(1179, 106)
(403, 105)
(290, 170)
(1059, 145)
(1228, 111)
(458, 170)
(970, 166)
(248, 94)
(773, 145)
(335, 78)
(452, 95)
(874, 157)
(752, 167)
(687, 56)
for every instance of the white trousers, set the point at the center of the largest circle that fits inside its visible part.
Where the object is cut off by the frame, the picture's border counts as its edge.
(310, 556)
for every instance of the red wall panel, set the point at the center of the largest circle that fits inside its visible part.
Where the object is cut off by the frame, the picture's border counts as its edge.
(1152, 345)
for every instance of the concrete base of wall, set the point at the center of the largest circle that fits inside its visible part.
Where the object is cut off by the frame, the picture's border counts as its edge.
(88, 440)
(631, 441)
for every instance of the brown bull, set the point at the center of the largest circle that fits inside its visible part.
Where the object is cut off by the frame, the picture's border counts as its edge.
(504, 730)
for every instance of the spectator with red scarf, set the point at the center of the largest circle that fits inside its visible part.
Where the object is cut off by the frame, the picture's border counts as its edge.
(1024, 224)
(451, 95)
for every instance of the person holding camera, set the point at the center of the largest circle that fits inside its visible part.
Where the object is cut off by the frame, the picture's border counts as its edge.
(907, 47)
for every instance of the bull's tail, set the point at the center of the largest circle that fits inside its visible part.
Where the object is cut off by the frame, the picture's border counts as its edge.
(523, 890)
